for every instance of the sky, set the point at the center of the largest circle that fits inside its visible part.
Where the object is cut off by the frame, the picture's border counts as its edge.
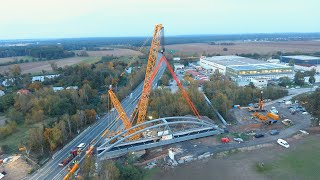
(29, 19)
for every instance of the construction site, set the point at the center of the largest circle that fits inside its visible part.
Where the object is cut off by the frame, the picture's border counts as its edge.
(170, 141)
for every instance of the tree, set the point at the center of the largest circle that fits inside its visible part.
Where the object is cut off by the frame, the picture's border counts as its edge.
(67, 119)
(88, 167)
(109, 171)
(36, 138)
(251, 85)
(37, 115)
(291, 62)
(90, 115)
(299, 78)
(35, 86)
(7, 129)
(284, 81)
(165, 80)
(15, 71)
(53, 136)
(54, 66)
(83, 53)
(313, 106)
(15, 115)
(129, 171)
(312, 79)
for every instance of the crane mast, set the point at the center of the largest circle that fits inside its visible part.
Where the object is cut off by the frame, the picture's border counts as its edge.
(153, 54)
(122, 114)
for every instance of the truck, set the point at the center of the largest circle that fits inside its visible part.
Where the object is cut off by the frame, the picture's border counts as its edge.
(72, 154)
(273, 116)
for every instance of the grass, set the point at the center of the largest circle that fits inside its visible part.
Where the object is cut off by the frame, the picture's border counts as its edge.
(243, 136)
(149, 172)
(91, 60)
(263, 168)
(12, 141)
(302, 162)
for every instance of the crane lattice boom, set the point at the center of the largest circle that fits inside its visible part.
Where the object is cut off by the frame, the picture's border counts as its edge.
(122, 114)
(153, 54)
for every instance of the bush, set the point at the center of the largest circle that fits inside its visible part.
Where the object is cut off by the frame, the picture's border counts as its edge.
(4, 149)
(7, 129)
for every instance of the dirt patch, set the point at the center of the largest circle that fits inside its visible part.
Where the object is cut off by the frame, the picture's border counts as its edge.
(314, 130)
(248, 47)
(10, 59)
(18, 168)
(35, 67)
(115, 52)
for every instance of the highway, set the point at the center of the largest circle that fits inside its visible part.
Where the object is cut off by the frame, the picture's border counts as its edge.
(51, 170)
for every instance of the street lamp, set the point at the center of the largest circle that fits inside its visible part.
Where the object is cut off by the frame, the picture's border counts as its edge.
(150, 117)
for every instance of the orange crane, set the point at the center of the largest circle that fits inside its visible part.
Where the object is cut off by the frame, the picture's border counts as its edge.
(260, 105)
(149, 77)
(153, 54)
(143, 103)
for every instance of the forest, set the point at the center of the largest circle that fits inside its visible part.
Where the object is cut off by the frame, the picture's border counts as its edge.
(59, 116)
(40, 52)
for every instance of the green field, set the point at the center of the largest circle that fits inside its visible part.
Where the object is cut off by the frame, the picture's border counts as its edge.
(301, 162)
(12, 141)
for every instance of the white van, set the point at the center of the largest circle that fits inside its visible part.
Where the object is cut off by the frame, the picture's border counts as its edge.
(283, 143)
(81, 146)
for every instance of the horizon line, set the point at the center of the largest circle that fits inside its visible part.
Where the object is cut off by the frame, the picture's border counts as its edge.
(139, 36)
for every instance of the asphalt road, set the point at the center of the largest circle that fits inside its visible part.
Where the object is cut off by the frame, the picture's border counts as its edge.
(51, 170)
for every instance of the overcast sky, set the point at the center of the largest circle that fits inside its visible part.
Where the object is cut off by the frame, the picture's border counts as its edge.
(101, 18)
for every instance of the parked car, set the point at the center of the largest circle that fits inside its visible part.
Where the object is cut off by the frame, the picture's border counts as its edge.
(274, 132)
(225, 140)
(259, 135)
(240, 140)
(283, 143)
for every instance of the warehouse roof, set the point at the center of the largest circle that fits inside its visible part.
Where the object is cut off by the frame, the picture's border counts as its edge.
(231, 60)
(302, 57)
(258, 67)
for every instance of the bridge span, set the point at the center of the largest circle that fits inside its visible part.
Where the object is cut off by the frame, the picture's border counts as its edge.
(157, 132)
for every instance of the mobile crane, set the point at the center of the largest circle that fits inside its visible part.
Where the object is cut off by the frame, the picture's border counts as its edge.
(260, 105)
(151, 71)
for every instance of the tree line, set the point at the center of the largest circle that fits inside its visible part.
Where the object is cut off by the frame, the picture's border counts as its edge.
(163, 103)
(224, 93)
(312, 104)
(40, 52)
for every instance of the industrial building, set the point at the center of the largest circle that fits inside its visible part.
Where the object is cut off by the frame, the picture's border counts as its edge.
(244, 70)
(302, 60)
(220, 63)
(303, 63)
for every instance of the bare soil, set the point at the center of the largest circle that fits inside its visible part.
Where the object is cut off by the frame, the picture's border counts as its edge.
(34, 67)
(17, 169)
(115, 52)
(249, 47)
(9, 59)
